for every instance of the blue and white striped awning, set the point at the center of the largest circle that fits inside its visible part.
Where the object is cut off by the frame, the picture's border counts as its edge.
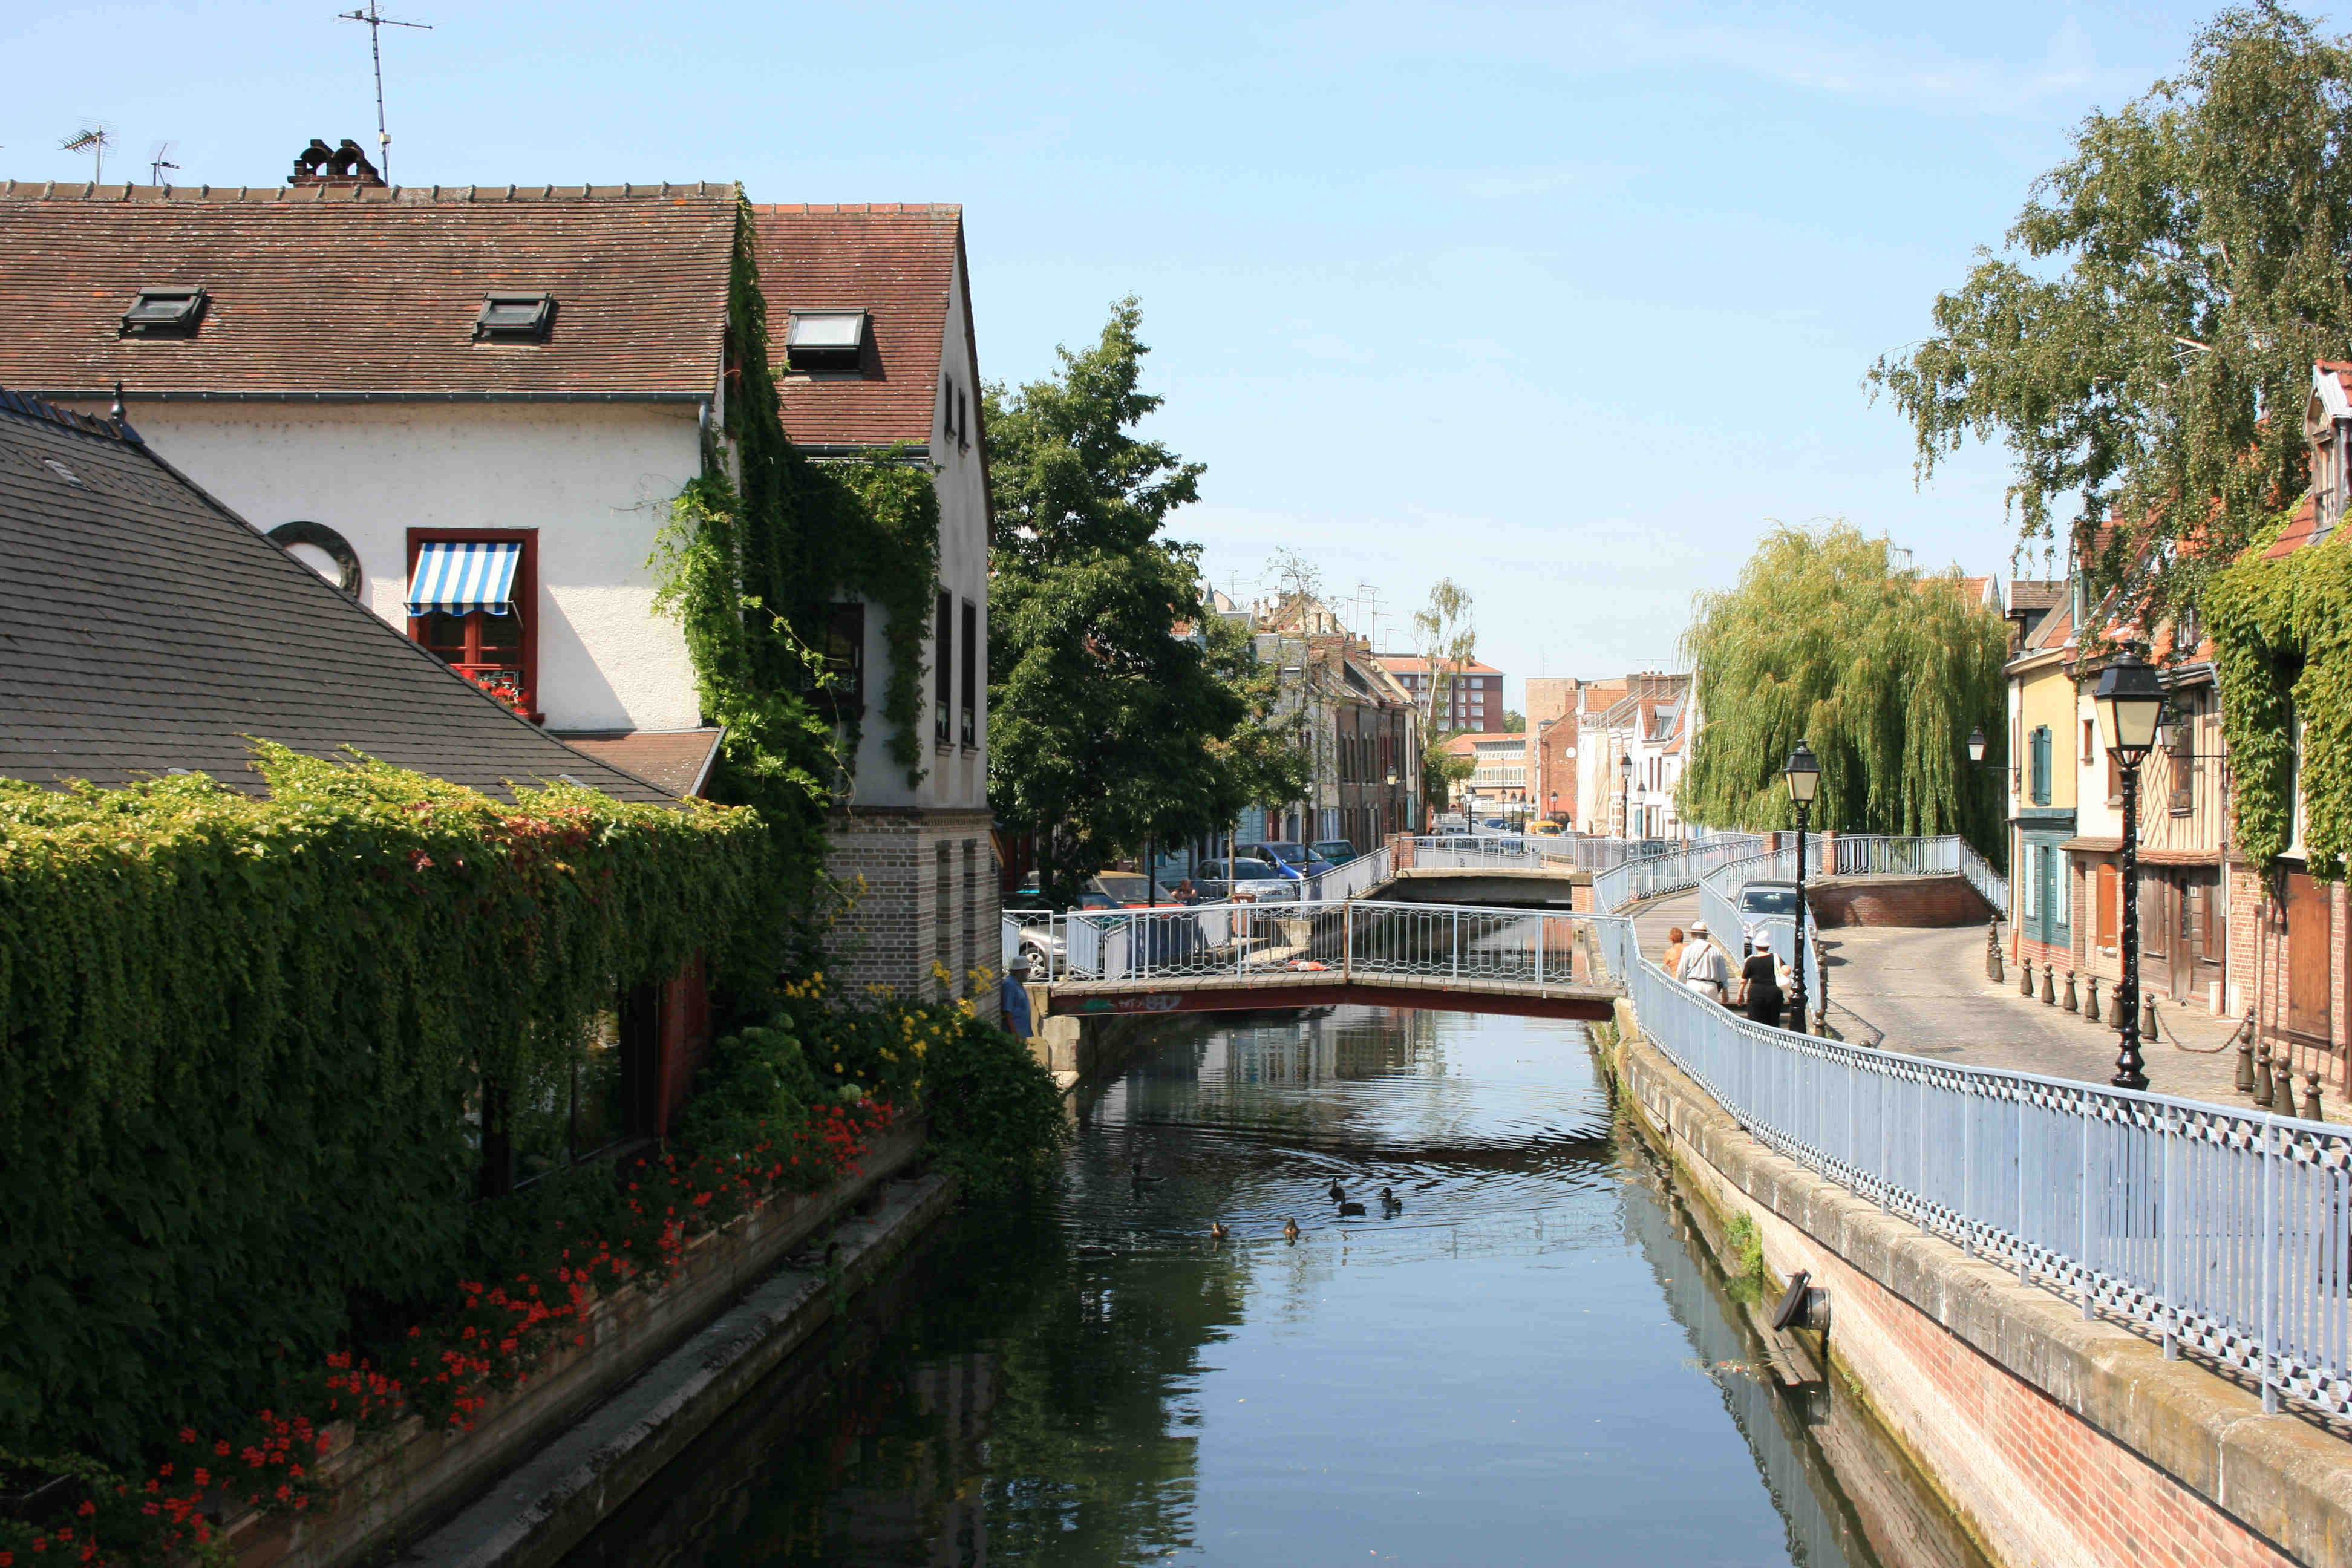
(459, 577)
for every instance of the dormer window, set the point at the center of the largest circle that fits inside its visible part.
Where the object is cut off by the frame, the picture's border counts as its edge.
(826, 340)
(171, 312)
(515, 318)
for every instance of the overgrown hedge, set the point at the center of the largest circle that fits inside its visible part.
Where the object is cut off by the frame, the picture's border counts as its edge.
(238, 1037)
(2282, 633)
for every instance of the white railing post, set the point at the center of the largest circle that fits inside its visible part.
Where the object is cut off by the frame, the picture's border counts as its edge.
(1540, 923)
(1457, 943)
(1347, 937)
(2269, 1244)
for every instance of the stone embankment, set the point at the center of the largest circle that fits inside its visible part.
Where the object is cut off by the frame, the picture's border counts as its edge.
(2060, 1441)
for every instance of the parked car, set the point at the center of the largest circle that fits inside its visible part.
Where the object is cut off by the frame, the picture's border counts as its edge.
(1338, 851)
(1546, 829)
(1496, 822)
(1761, 902)
(1252, 878)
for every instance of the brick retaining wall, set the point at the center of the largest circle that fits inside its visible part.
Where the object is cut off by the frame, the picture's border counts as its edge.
(1896, 901)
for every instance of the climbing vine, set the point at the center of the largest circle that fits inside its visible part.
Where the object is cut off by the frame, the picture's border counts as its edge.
(750, 564)
(2282, 630)
(242, 1037)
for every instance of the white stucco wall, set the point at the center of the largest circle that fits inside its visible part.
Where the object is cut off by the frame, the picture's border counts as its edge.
(956, 775)
(593, 478)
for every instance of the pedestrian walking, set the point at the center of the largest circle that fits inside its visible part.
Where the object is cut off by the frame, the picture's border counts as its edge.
(1760, 984)
(1704, 968)
(1673, 961)
(1012, 1000)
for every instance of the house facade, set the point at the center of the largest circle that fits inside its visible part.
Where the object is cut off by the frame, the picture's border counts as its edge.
(1629, 760)
(1357, 724)
(471, 408)
(1473, 696)
(2043, 704)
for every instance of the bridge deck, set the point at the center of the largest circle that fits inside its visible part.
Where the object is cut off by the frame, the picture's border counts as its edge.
(1331, 987)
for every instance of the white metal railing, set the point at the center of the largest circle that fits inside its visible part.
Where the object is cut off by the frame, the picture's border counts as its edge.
(1354, 936)
(1884, 854)
(1718, 902)
(1989, 884)
(1354, 879)
(1462, 852)
(1671, 871)
(2227, 1232)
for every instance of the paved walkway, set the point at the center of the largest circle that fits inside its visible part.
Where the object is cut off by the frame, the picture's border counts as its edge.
(1925, 992)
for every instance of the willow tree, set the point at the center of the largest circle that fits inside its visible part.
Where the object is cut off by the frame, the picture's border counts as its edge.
(1884, 670)
(2148, 332)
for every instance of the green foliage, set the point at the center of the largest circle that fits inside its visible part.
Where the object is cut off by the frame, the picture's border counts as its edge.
(1107, 727)
(997, 1117)
(2281, 632)
(242, 1035)
(2151, 334)
(1446, 635)
(755, 1079)
(751, 570)
(1883, 671)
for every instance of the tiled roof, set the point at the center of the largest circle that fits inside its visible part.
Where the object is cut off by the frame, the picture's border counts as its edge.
(2299, 531)
(896, 262)
(317, 290)
(144, 628)
(1413, 664)
(2036, 593)
(677, 760)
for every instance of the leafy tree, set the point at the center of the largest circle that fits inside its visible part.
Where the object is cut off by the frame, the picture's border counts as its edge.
(2147, 336)
(1111, 723)
(1514, 722)
(1883, 671)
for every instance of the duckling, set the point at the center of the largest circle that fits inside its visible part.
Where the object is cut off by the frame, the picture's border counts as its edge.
(1217, 1231)
(1391, 1203)
(1338, 1192)
(1347, 1209)
(1135, 1172)
(1289, 1228)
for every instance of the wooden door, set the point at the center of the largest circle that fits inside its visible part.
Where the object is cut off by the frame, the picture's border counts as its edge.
(2309, 939)
(2177, 901)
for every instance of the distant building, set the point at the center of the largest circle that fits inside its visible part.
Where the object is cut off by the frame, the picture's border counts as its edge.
(1630, 759)
(1473, 699)
(1357, 725)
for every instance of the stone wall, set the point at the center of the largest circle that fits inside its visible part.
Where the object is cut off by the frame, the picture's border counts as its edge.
(1896, 901)
(2062, 1442)
(924, 895)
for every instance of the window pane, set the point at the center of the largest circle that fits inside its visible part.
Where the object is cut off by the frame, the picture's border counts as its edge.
(499, 633)
(826, 329)
(445, 635)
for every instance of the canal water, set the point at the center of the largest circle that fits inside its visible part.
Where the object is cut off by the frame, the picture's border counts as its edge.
(1530, 1357)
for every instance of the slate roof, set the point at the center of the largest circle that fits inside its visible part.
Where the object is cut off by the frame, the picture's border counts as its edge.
(677, 760)
(316, 291)
(896, 262)
(143, 626)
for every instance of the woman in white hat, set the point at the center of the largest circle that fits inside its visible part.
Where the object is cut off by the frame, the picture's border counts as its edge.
(1705, 969)
(1759, 982)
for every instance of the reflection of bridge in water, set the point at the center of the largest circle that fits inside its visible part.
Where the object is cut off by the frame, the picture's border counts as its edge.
(1225, 957)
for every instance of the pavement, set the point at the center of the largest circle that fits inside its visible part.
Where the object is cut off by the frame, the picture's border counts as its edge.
(1923, 992)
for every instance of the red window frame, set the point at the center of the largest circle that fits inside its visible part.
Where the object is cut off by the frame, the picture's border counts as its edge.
(526, 597)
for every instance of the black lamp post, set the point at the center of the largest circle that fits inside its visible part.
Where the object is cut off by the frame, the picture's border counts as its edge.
(1625, 795)
(1804, 775)
(1977, 745)
(2130, 699)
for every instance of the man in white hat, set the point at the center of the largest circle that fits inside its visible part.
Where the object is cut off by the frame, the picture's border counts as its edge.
(1705, 969)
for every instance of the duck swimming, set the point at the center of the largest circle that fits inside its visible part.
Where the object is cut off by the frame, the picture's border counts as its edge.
(1290, 1227)
(1135, 1173)
(1217, 1231)
(1338, 1192)
(1390, 1201)
(1347, 1209)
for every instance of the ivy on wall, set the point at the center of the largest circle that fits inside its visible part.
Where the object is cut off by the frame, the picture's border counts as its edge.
(2283, 635)
(752, 563)
(242, 1036)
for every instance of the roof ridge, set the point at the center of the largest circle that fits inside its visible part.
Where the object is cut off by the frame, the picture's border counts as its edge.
(17, 402)
(423, 195)
(872, 209)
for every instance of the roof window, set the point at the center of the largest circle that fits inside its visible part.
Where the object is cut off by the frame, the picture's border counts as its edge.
(826, 340)
(515, 318)
(171, 312)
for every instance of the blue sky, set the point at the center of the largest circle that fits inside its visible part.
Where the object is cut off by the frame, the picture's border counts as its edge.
(1563, 302)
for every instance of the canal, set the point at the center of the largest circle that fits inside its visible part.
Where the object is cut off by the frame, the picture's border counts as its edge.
(1530, 1357)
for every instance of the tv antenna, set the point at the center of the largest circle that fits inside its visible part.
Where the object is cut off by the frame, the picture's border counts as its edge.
(159, 162)
(94, 141)
(376, 23)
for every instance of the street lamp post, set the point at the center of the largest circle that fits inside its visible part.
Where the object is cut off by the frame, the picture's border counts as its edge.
(1804, 775)
(1625, 797)
(2129, 699)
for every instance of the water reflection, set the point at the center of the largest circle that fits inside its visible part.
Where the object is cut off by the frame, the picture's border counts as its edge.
(1527, 1363)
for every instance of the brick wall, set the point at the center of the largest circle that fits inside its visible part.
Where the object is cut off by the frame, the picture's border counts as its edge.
(922, 890)
(1898, 901)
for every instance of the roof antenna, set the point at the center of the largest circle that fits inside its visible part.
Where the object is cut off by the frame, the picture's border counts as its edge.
(116, 412)
(376, 24)
(159, 162)
(94, 141)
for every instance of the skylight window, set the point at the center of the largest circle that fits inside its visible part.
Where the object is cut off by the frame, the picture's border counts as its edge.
(168, 312)
(826, 340)
(515, 318)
